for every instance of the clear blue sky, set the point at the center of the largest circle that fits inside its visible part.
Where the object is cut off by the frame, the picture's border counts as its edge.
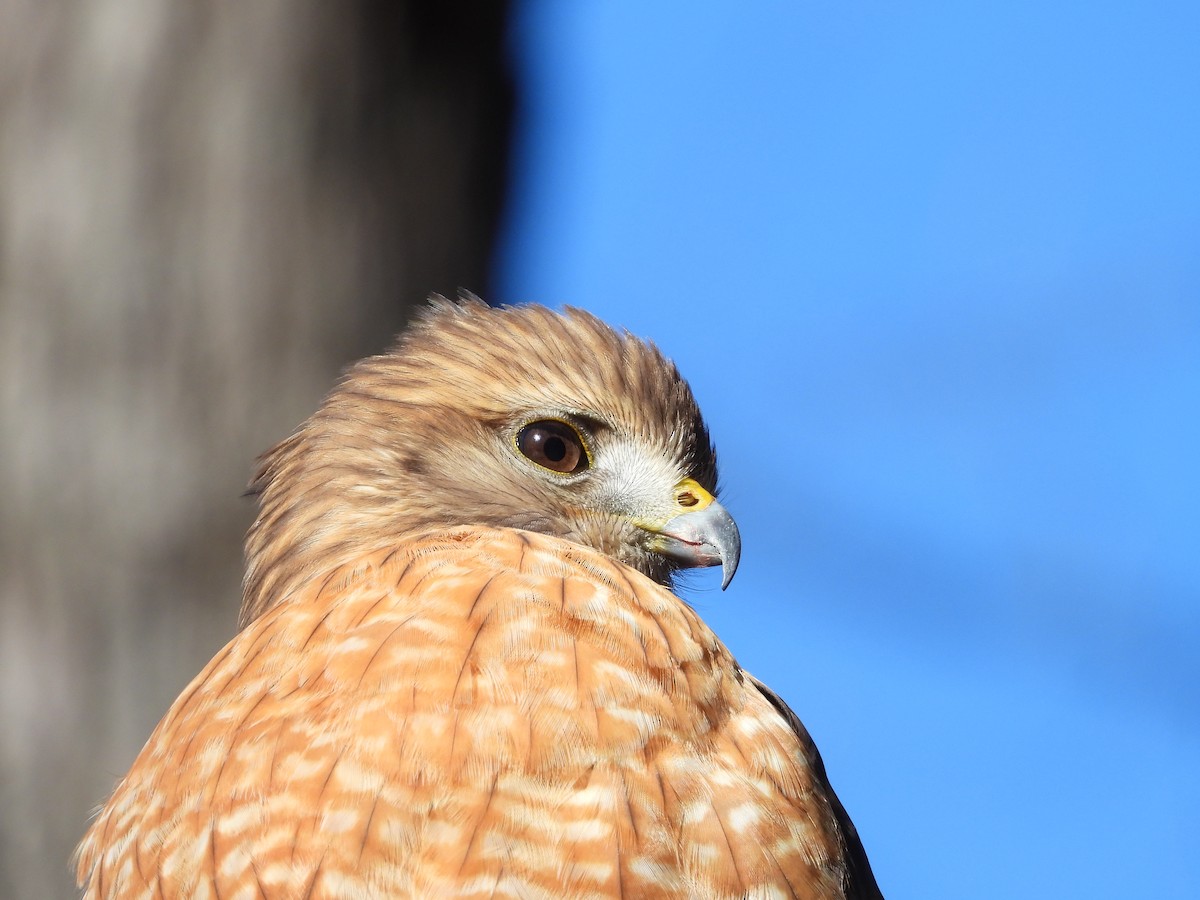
(933, 270)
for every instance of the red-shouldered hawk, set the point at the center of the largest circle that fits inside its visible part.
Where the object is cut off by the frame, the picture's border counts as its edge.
(462, 672)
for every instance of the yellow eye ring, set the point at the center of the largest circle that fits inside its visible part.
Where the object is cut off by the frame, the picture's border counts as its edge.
(553, 444)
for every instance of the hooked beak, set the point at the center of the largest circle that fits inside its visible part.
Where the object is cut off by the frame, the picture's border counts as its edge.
(701, 534)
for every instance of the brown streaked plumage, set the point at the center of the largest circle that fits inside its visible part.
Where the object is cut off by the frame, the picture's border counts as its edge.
(461, 670)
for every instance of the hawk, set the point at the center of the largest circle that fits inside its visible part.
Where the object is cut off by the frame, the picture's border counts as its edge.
(461, 670)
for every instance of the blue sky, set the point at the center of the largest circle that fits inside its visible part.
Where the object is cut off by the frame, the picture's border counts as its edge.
(933, 271)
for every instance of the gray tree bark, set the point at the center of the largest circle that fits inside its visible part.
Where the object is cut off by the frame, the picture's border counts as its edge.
(206, 210)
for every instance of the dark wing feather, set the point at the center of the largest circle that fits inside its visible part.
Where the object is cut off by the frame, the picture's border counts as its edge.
(860, 881)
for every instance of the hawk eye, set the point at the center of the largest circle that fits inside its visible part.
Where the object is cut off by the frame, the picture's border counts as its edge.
(553, 445)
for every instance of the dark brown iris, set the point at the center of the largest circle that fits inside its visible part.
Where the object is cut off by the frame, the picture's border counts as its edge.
(553, 445)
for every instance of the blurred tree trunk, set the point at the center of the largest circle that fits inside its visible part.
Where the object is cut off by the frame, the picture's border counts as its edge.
(206, 210)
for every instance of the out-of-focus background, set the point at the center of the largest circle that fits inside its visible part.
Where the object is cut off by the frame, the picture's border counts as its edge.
(933, 272)
(206, 211)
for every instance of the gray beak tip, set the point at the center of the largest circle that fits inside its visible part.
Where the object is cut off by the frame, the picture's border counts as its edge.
(728, 568)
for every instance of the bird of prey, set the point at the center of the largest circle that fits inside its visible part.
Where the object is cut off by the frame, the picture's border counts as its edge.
(462, 671)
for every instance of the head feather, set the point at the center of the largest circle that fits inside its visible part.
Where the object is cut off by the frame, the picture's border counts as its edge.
(420, 437)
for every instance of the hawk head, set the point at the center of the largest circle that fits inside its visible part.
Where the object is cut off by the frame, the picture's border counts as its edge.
(517, 417)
